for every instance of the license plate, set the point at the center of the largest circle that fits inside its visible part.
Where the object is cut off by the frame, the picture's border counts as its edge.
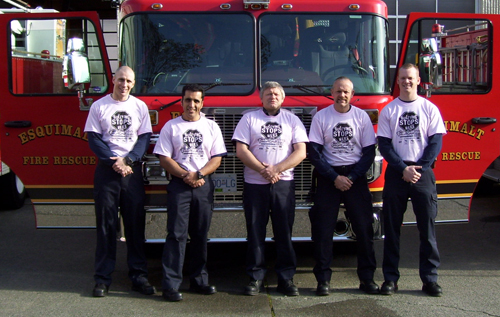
(224, 183)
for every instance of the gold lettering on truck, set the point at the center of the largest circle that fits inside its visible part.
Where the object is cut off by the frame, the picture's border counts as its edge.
(464, 128)
(49, 130)
(460, 156)
(59, 160)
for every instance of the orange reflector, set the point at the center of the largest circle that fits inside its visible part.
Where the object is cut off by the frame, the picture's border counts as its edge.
(354, 7)
(373, 114)
(156, 6)
(286, 6)
(153, 116)
(225, 6)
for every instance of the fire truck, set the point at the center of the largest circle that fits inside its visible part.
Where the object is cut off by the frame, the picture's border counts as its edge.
(12, 190)
(57, 65)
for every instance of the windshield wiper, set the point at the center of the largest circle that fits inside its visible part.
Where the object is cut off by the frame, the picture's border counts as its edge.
(207, 88)
(212, 85)
(306, 88)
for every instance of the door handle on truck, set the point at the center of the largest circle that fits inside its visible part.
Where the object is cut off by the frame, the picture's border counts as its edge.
(484, 120)
(18, 124)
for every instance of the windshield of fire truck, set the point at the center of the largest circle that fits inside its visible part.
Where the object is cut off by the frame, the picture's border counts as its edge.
(169, 50)
(306, 52)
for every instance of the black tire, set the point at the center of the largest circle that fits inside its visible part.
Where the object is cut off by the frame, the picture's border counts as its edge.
(12, 192)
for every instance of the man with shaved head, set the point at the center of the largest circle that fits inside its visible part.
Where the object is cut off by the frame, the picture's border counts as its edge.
(342, 149)
(119, 128)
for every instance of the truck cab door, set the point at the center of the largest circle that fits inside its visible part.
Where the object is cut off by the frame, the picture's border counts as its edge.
(454, 55)
(42, 122)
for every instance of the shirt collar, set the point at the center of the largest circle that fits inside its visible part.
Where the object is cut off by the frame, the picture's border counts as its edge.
(267, 113)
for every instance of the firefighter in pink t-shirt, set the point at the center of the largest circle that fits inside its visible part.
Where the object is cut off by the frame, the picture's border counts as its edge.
(270, 142)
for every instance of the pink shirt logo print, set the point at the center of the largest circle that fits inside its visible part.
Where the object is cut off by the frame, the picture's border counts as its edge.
(409, 126)
(342, 135)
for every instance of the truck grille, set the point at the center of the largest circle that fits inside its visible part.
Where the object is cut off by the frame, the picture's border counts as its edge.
(227, 119)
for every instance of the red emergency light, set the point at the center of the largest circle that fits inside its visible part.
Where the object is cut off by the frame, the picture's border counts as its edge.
(437, 28)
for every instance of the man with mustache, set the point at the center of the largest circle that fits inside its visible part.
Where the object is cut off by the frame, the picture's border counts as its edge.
(270, 142)
(190, 148)
(342, 148)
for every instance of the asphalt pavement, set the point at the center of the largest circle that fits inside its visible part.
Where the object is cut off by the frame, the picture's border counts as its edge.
(49, 273)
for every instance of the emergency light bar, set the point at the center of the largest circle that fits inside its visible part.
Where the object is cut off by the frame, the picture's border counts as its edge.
(256, 4)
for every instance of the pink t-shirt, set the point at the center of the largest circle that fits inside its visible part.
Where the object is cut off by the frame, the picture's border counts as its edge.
(190, 143)
(119, 122)
(270, 139)
(409, 125)
(343, 135)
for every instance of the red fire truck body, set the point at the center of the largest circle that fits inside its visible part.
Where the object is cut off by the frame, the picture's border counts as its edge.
(231, 48)
(465, 93)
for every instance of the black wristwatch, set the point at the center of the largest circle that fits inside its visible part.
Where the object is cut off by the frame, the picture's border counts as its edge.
(200, 175)
(129, 161)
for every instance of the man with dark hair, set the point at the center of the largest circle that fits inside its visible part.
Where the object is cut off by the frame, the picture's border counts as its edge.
(190, 148)
(410, 132)
(119, 129)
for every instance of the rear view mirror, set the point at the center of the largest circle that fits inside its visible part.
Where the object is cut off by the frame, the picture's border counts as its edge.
(430, 66)
(76, 70)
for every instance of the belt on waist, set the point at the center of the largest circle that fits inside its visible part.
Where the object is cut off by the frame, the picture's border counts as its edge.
(415, 163)
(343, 169)
(104, 164)
(410, 163)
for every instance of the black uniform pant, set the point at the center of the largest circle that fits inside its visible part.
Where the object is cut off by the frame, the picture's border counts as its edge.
(189, 212)
(278, 202)
(111, 190)
(424, 200)
(323, 216)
